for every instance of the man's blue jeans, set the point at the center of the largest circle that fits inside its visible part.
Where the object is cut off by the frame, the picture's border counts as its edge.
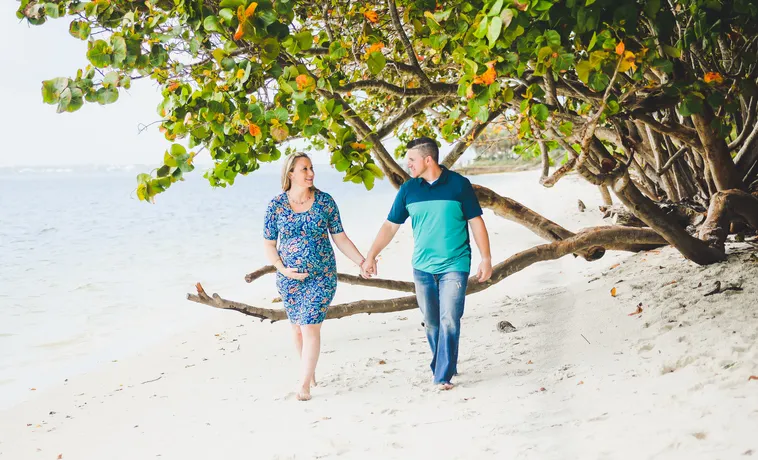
(441, 299)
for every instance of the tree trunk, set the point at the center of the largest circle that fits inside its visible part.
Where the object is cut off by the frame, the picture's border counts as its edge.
(716, 152)
(727, 207)
(691, 248)
(607, 200)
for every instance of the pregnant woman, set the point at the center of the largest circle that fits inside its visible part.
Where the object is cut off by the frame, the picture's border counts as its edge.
(301, 219)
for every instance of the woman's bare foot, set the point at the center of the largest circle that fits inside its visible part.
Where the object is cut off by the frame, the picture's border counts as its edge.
(304, 394)
(313, 381)
(446, 386)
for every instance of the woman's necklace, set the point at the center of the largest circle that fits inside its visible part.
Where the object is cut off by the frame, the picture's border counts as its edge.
(292, 200)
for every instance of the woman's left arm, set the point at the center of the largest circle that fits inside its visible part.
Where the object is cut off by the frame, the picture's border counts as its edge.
(346, 246)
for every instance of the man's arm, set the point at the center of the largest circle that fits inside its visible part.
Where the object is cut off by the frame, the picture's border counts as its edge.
(482, 239)
(383, 238)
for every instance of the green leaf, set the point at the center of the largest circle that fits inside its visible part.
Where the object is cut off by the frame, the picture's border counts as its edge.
(107, 95)
(690, 105)
(211, 24)
(240, 147)
(593, 41)
(111, 79)
(227, 14)
(664, 65)
(652, 7)
(304, 39)
(481, 31)
(270, 49)
(672, 51)
(375, 170)
(495, 10)
(119, 49)
(79, 29)
(177, 150)
(52, 10)
(540, 112)
(158, 56)
(599, 81)
(566, 128)
(376, 62)
(494, 29)
(589, 2)
(553, 38)
(368, 179)
(583, 69)
(99, 54)
(232, 4)
(52, 89)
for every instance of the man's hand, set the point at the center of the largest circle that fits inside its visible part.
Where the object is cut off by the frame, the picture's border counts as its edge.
(485, 270)
(368, 269)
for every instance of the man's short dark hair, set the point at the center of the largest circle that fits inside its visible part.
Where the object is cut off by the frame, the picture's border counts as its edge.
(426, 146)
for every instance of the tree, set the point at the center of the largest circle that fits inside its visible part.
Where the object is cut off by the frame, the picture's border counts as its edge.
(655, 100)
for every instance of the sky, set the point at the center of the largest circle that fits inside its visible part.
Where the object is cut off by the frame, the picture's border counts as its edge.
(33, 134)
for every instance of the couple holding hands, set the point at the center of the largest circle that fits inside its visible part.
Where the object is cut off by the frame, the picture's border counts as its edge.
(441, 205)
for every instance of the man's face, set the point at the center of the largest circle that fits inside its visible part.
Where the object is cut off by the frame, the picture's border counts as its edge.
(417, 163)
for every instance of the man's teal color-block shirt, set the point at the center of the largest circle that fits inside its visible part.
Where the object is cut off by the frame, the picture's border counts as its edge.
(439, 214)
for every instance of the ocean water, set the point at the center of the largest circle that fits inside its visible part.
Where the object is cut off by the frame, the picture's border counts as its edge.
(88, 274)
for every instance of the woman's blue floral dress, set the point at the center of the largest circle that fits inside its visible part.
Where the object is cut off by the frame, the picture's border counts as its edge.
(304, 244)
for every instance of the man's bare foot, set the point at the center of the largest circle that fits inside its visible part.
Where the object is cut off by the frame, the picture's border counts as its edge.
(446, 386)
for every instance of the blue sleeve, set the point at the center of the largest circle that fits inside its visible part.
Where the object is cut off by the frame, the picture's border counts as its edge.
(333, 216)
(469, 201)
(399, 212)
(270, 230)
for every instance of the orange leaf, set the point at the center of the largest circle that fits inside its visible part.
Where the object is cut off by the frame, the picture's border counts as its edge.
(529, 362)
(241, 13)
(371, 16)
(613, 292)
(358, 146)
(581, 382)
(173, 86)
(250, 10)
(488, 77)
(613, 266)
(254, 129)
(375, 47)
(302, 81)
(713, 77)
(60, 456)
(620, 48)
(752, 377)
(239, 32)
(470, 92)
(637, 311)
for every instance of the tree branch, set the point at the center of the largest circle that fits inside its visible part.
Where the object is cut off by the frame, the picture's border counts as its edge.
(605, 236)
(438, 89)
(413, 109)
(469, 138)
(407, 44)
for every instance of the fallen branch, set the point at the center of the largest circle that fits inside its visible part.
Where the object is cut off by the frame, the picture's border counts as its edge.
(598, 236)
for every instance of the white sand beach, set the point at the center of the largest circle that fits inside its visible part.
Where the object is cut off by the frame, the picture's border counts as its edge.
(585, 375)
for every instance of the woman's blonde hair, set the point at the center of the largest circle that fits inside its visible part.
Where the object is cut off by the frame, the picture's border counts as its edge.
(289, 166)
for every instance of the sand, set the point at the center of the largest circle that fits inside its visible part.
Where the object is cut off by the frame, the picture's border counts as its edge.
(585, 374)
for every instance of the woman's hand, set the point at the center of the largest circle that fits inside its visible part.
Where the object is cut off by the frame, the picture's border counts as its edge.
(292, 273)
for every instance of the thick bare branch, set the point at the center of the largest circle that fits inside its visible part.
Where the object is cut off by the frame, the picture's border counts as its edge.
(469, 138)
(394, 285)
(413, 109)
(438, 89)
(424, 79)
(683, 133)
(605, 236)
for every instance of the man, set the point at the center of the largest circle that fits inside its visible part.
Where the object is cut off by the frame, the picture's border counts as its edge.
(440, 204)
